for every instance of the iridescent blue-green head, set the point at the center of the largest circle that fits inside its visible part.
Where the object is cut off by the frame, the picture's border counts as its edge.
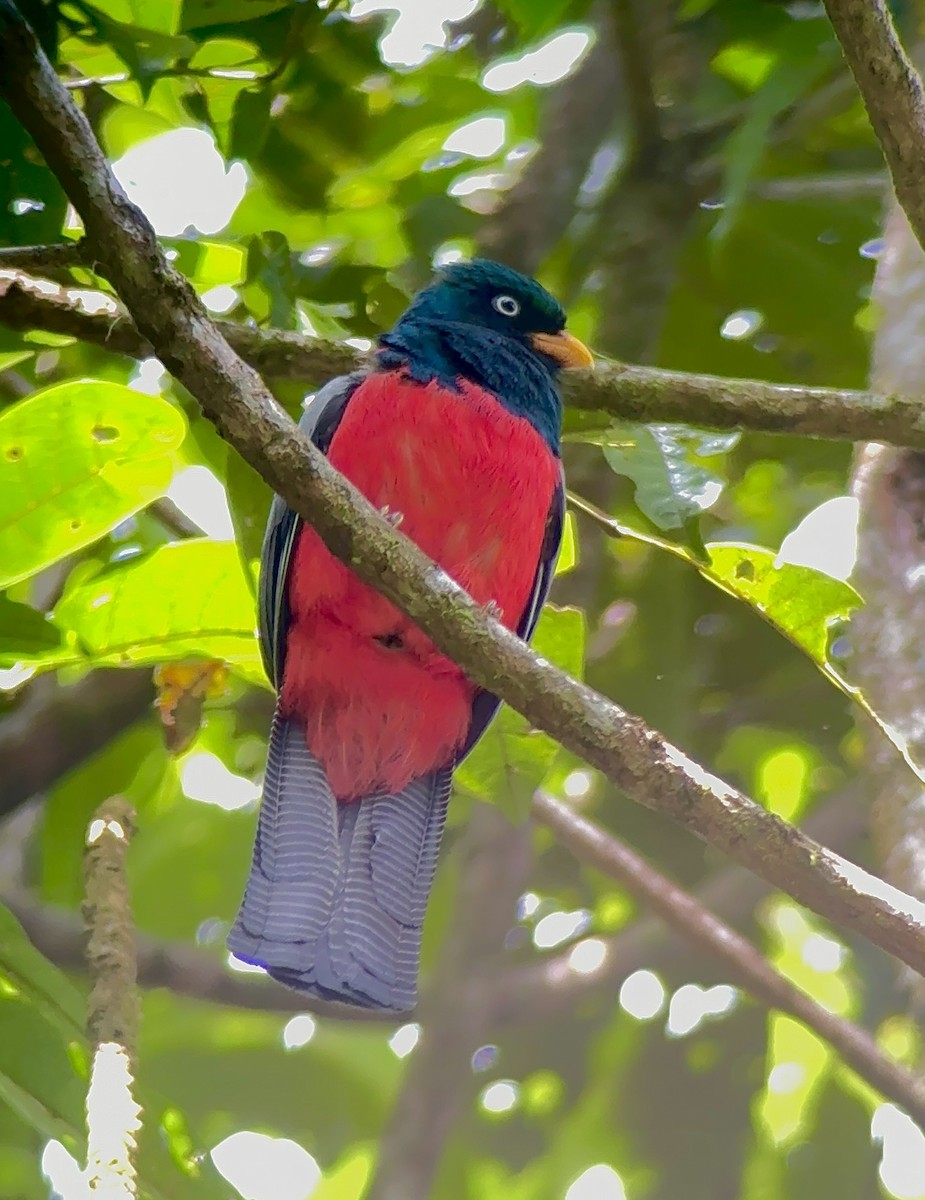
(488, 324)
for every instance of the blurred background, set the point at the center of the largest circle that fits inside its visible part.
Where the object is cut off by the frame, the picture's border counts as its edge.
(697, 181)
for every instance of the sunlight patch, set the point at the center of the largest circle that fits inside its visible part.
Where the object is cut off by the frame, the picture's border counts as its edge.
(548, 63)
(902, 1167)
(261, 1167)
(404, 1040)
(204, 777)
(180, 181)
(600, 1182)
(826, 539)
(642, 995)
(559, 927)
(691, 1005)
(199, 494)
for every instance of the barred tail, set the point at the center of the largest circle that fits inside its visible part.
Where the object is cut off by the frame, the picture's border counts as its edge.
(336, 896)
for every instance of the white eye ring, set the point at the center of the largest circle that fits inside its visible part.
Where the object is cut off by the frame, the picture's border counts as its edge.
(507, 306)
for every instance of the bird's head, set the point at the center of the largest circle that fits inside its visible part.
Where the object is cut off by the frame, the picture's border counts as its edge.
(489, 296)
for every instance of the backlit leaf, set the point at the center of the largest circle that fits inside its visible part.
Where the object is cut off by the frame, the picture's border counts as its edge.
(185, 600)
(75, 460)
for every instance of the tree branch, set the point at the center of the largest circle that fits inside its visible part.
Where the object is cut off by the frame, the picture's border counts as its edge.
(637, 759)
(635, 61)
(624, 390)
(746, 965)
(29, 304)
(54, 728)
(532, 991)
(892, 93)
(184, 969)
(549, 986)
(42, 260)
(577, 114)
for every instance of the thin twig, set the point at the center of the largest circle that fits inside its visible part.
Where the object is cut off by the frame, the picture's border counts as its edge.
(836, 185)
(746, 965)
(640, 761)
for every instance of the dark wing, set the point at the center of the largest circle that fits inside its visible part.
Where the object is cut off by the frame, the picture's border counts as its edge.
(485, 704)
(319, 421)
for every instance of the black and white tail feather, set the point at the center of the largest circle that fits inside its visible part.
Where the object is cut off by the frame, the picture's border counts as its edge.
(336, 896)
(337, 893)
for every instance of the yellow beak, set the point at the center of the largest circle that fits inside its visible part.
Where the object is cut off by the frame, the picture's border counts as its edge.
(564, 347)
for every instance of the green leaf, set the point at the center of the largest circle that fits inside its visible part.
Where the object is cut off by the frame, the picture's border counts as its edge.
(804, 55)
(199, 13)
(146, 51)
(249, 499)
(12, 358)
(512, 759)
(75, 460)
(25, 633)
(801, 602)
(39, 1079)
(672, 487)
(568, 553)
(189, 599)
(250, 122)
(33, 977)
(269, 267)
(535, 18)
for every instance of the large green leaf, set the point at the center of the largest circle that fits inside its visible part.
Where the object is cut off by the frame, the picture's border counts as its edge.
(75, 460)
(673, 487)
(185, 600)
(512, 759)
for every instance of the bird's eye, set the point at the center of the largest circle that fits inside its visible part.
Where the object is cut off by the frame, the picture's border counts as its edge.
(507, 306)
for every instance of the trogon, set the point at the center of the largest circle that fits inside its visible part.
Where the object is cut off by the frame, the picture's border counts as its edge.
(453, 433)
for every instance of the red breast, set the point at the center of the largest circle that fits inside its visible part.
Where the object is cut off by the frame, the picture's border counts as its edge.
(473, 483)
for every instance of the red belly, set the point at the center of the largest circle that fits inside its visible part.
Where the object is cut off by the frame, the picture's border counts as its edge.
(474, 484)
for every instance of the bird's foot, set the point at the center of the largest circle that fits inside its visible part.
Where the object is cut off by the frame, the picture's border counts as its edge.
(393, 518)
(494, 609)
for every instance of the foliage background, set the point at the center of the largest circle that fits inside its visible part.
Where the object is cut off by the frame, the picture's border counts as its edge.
(702, 189)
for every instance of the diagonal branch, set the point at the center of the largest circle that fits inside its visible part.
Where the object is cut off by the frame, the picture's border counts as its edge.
(893, 95)
(637, 759)
(626, 391)
(546, 987)
(746, 965)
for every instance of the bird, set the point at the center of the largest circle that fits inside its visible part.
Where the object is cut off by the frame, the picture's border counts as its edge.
(453, 433)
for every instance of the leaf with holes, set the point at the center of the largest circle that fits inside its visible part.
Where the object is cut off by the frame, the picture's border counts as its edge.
(75, 460)
(803, 603)
(512, 759)
(186, 600)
